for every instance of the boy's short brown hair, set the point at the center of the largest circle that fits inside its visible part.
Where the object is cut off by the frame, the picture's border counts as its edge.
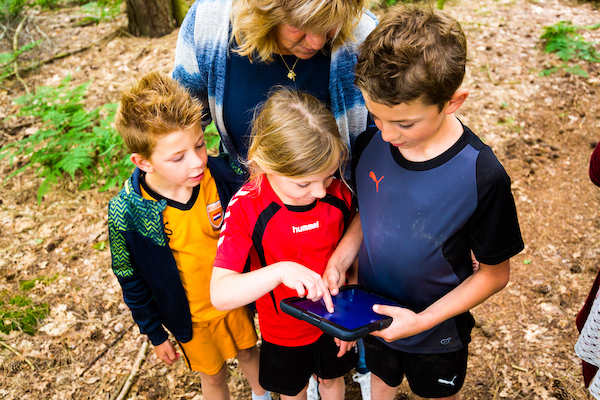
(414, 53)
(156, 105)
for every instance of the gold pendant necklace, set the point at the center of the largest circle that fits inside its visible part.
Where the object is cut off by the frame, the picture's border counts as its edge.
(291, 74)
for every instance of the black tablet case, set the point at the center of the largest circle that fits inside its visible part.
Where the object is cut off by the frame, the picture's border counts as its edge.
(353, 316)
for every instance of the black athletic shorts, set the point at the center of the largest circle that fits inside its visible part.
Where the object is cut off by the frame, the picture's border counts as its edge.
(286, 370)
(429, 375)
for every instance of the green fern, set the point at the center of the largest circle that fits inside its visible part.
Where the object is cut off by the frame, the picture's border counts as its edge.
(7, 59)
(564, 40)
(73, 143)
(99, 11)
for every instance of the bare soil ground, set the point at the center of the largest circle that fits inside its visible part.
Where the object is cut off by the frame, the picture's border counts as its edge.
(543, 130)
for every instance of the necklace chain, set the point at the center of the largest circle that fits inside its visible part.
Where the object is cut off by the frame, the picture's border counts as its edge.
(291, 74)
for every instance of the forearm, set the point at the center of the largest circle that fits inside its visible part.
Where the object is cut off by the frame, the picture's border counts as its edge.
(230, 289)
(348, 247)
(488, 280)
(139, 300)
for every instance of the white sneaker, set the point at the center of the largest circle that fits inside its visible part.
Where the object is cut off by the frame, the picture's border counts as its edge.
(364, 380)
(313, 389)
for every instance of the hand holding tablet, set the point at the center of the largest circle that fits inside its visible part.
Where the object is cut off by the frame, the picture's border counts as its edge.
(353, 315)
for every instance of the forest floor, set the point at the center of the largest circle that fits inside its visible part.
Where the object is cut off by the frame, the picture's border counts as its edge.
(543, 129)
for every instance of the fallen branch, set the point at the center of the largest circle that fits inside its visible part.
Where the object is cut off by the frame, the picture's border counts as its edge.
(117, 392)
(134, 370)
(15, 50)
(65, 54)
(518, 368)
(112, 344)
(12, 349)
(4, 30)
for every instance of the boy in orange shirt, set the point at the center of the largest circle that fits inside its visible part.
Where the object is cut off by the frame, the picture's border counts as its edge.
(163, 230)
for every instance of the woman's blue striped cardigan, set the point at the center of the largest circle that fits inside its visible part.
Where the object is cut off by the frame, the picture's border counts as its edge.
(201, 56)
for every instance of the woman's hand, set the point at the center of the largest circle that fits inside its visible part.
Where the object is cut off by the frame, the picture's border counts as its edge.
(306, 282)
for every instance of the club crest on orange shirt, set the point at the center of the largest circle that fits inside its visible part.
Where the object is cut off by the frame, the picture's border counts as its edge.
(215, 214)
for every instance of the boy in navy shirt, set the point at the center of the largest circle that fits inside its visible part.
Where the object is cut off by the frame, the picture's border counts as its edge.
(429, 191)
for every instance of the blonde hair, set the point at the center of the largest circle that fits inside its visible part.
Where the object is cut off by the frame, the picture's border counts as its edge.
(295, 135)
(254, 22)
(155, 106)
(414, 53)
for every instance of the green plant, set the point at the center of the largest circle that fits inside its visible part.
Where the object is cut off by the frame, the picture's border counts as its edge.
(73, 142)
(47, 3)
(563, 39)
(101, 10)
(10, 9)
(30, 283)
(211, 136)
(20, 314)
(7, 59)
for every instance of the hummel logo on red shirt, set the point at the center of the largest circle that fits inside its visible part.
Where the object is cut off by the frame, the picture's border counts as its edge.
(304, 228)
(372, 176)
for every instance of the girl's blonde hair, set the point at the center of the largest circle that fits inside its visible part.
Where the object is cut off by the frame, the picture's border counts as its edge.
(254, 22)
(295, 135)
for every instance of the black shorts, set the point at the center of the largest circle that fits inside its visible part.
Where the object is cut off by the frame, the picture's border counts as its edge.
(429, 375)
(286, 370)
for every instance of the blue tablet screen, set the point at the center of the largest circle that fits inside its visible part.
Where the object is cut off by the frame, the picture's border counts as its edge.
(353, 308)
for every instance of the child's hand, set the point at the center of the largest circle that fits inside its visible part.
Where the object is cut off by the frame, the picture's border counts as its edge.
(333, 278)
(166, 352)
(344, 346)
(405, 323)
(306, 283)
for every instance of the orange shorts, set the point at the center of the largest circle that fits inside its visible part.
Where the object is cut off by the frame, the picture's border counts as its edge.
(215, 341)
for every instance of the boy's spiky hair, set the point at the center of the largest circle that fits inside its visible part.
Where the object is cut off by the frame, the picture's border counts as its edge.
(414, 53)
(156, 105)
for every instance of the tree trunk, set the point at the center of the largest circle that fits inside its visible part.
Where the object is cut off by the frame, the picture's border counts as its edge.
(151, 18)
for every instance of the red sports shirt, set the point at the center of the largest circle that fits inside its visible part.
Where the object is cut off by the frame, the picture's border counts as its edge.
(259, 226)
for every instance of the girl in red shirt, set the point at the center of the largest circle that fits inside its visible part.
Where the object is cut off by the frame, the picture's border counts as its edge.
(285, 223)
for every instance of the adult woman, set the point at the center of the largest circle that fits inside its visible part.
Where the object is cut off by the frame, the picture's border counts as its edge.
(230, 53)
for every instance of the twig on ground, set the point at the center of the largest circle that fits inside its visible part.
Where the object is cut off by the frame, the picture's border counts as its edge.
(121, 383)
(99, 356)
(11, 130)
(15, 49)
(518, 368)
(12, 349)
(41, 32)
(134, 370)
(4, 30)
(65, 54)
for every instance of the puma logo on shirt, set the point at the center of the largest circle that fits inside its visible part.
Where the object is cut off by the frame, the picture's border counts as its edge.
(374, 178)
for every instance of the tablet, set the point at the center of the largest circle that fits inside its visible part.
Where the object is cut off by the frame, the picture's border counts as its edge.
(353, 316)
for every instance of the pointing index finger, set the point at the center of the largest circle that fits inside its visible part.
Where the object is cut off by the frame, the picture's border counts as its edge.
(328, 301)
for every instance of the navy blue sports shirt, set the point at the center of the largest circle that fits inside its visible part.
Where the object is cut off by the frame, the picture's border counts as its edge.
(420, 221)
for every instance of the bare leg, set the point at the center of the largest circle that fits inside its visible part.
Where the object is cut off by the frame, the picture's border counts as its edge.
(248, 360)
(380, 390)
(332, 389)
(214, 387)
